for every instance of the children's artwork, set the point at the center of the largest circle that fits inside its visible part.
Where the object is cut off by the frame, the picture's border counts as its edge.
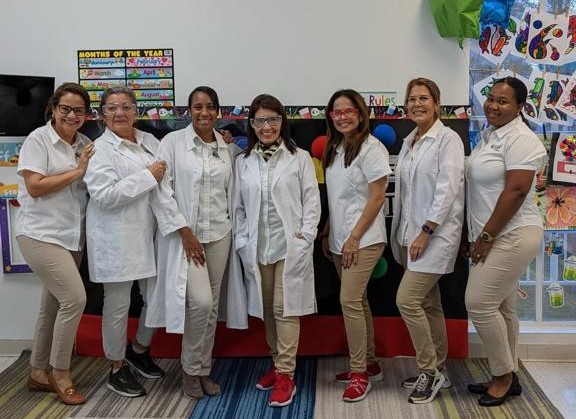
(547, 41)
(563, 159)
(520, 41)
(560, 207)
(482, 88)
(567, 101)
(535, 85)
(553, 87)
(496, 42)
(148, 72)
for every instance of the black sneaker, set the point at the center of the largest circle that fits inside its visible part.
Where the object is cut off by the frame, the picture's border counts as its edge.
(426, 387)
(410, 381)
(124, 383)
(143, 363)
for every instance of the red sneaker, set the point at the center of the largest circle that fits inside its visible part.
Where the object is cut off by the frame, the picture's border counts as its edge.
(373, 370)
(266, 382)
(357, 388)
(283, 391)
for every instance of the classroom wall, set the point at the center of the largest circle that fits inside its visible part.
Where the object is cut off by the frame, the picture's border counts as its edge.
(300, 51)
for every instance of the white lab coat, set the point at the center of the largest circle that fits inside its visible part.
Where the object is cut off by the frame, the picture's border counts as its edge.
(180, 190)
(296, 197)
(437, 179)
(119, 220)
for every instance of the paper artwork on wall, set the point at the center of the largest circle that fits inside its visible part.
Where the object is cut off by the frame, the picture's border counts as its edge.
(560, 208)
(482, 88)
(554, 85)
(547, 41)
(496, 42)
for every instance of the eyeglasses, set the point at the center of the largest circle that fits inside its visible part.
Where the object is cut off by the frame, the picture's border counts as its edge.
(65, 109)
(114, 107)
(272, 121)
(339, 113)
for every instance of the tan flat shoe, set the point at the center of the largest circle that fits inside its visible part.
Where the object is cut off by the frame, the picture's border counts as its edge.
(34, 385)
(210, 387)
(191, 386)
(69, 396)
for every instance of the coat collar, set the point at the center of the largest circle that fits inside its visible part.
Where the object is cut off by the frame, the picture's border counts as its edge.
(193, 141)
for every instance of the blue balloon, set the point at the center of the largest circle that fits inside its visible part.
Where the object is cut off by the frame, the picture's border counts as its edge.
(241, 141)
(496, 12)
(386, 134)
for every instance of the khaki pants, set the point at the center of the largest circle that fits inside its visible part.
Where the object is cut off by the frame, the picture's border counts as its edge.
(282, 332)
(355, 308)
(115, 319)
(491, 295)
(418, 299)
(61, 305)
(202, 298)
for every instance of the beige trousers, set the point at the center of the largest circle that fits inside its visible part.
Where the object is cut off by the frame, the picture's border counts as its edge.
(355, 308)
(418, 299)
(61, 305)
(491, 295)
(115, 319)
(202, 298)
(282, 332)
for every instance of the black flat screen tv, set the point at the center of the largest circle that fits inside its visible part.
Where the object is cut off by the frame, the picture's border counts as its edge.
(23, 100)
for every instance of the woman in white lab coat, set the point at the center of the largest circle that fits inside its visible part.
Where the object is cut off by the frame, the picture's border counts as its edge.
(426, 231)
(276, 214)
(121, 179)
(194, 249)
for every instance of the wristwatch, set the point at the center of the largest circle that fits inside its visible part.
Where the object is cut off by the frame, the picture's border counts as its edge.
(486, 237)
(426, 229)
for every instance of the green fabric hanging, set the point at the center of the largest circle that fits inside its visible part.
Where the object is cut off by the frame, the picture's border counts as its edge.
(457, 18)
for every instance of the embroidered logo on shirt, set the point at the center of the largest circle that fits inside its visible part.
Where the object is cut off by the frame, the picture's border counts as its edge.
(496, 146)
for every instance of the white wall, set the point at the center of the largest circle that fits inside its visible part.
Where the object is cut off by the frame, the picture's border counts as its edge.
(299, 50)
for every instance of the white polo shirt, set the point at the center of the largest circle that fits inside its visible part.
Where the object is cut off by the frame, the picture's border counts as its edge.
(511, 147)
(57, 217)
(348, 193)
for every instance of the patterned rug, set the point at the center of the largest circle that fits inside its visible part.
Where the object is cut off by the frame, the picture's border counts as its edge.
(318, 395)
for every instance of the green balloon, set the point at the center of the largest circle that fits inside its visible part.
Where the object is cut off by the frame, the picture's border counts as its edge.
(380, 269)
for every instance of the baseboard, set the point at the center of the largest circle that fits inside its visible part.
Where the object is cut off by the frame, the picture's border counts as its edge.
(14, 347)
(554, 347)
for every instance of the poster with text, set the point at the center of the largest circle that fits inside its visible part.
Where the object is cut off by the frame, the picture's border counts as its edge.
(148, 72)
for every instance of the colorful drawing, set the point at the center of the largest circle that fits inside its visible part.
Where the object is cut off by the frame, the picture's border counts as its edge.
(535, 90)
(560, 207)
(571, 34)
(521, 41)
(546, 41)
(567, 101)
(482, 88)
(553, 89)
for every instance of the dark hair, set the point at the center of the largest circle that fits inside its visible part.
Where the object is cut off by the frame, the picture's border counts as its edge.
(520, 92)
(353, 146)
(207, 90)
(430, 85)
(520, 89)
(63, 89)
(269, 102)
(117, 90)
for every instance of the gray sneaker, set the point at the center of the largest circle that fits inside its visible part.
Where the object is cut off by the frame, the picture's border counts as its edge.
(426, 387)
(143, 363)
(124, 383)
(409, 382)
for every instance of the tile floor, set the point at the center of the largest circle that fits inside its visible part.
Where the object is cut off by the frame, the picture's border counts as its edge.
(557, 379)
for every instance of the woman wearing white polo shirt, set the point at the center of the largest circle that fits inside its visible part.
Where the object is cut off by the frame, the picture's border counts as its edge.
(122, 179)
(505, 228)
(357, 170)
(50, 233)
